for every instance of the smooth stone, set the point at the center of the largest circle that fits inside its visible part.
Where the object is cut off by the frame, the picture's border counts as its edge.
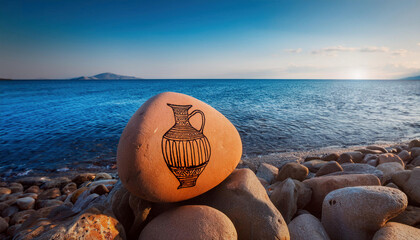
(404, 155)
(372, 147)
(9, 211)
(329, 168)
(389, 169)
(190, 222)
(267, 172)
(284, 197)
(3, 225)
(69, 188)
(33, 189)
(49, 194)
(118, 204)
(16, 187)
(75, 195)
(307, 227)
(344, 158)
(369, 157)
(102, 176)
(397, 231)
(389, 157)
(263, 182)
(99, 189)
(141, 209)
(314, 165)
(244, 200)
(409, 182)
(4, 190)
(292, 170)
(414, 143)
(55, 183)
(140, 156)
(356, 157)
(106, 182)
(25, 203)
(304, 194)
(358, 168)
(83, 177)
(373, 162)
(331, 157)
(410, 216)
(321, 186)
(368, 151)
(416, 162)
(415, 152)
(392, 185)
(48, 203)
(358, 212)
(20, 217)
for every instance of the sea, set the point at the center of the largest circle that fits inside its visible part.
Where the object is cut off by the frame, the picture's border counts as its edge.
(63, 125)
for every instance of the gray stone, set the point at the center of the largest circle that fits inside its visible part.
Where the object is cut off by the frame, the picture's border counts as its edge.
(267, 172)
(307, 227)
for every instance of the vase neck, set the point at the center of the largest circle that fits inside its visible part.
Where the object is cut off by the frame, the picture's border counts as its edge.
(180, 113)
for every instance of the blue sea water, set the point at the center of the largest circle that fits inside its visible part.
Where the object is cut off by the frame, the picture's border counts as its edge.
(49, 125)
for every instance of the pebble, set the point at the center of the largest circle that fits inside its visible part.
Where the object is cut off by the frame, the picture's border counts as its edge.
(25, 203)
(358, 212)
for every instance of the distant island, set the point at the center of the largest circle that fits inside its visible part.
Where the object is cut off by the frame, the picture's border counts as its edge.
(105, 76)
(412, 78)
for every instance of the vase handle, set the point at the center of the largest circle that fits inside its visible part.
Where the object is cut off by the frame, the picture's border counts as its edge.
(203, 118)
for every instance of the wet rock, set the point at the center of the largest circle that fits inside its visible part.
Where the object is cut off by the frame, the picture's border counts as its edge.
(49, 194)
(389, 169)
(408, 181)
(102, 176)
(16, 187)
(198, 222)
(9, 211)
(69, 188)
(389, 157)
(55, 183)
(33, 189)
(397, 231)
(48, 203)
(284, 197)
(20, 217)
(331, 157)
(25, 203)
(321, 186)
(410, 216)
(140, 152)
(99, 189)
(3, 225)
(314, 165)
(405, 156)
(83, 177)
(414, 143)
(293, 170)
(329, 168)
(372, 147)
(345, 158)
(307, 227)
(267, 172)
(4, 190)
(358, 212)
(244, 200)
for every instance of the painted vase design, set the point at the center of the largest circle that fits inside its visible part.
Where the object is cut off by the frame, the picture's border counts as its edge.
(185, 149)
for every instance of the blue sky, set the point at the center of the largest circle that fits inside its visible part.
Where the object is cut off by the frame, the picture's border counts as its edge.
(378, 39)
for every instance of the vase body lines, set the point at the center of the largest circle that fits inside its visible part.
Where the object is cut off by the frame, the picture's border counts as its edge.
(186, 150)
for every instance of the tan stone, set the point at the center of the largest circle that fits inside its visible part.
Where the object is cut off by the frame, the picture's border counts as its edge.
(358, 212)
(330, 167)
(293, 170)
(331, 157)
(16, 187)
(25, 203)
(359, 168)
(267, 172)
(33, 189)
(75, 195)
(408, 181)
(356, 157)
(20, 217)
(410, 216)
(414, 143)
(389, 157)
(307, 227)
(373, 147)
(321, 186)
(304, 194)
(83, 177)
(69, 188)
(345, 158)
(284, 197)
(314, 165)
(190, 222)
(244, 200)
(49, 194)
(4, 190)
(389, 169)
(369, 151)
(102, 176)
(397, 231)
(211, 144)
(415, 152)
(405, 155)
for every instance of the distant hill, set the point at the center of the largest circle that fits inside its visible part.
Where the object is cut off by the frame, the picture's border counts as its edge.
(412, 78)
(105, 76)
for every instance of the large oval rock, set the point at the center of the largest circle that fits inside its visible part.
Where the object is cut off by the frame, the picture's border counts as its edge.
(323, 185)
(409, 181)
(245, 201)
(307, 227)
(190, 222)
(358, 212)
(397, 231)
(176, 147)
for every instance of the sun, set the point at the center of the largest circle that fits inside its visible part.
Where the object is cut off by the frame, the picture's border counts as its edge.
(358, 74)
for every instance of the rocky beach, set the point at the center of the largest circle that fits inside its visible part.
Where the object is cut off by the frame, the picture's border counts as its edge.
(372, 192)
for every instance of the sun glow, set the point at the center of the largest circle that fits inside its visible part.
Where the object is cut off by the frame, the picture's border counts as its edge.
(358, 74)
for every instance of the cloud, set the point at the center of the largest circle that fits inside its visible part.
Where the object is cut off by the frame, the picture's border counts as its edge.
(298, 50)
(418, 44)
(332, 51)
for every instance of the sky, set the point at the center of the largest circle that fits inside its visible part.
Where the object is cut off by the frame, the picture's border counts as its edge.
(286, 39)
